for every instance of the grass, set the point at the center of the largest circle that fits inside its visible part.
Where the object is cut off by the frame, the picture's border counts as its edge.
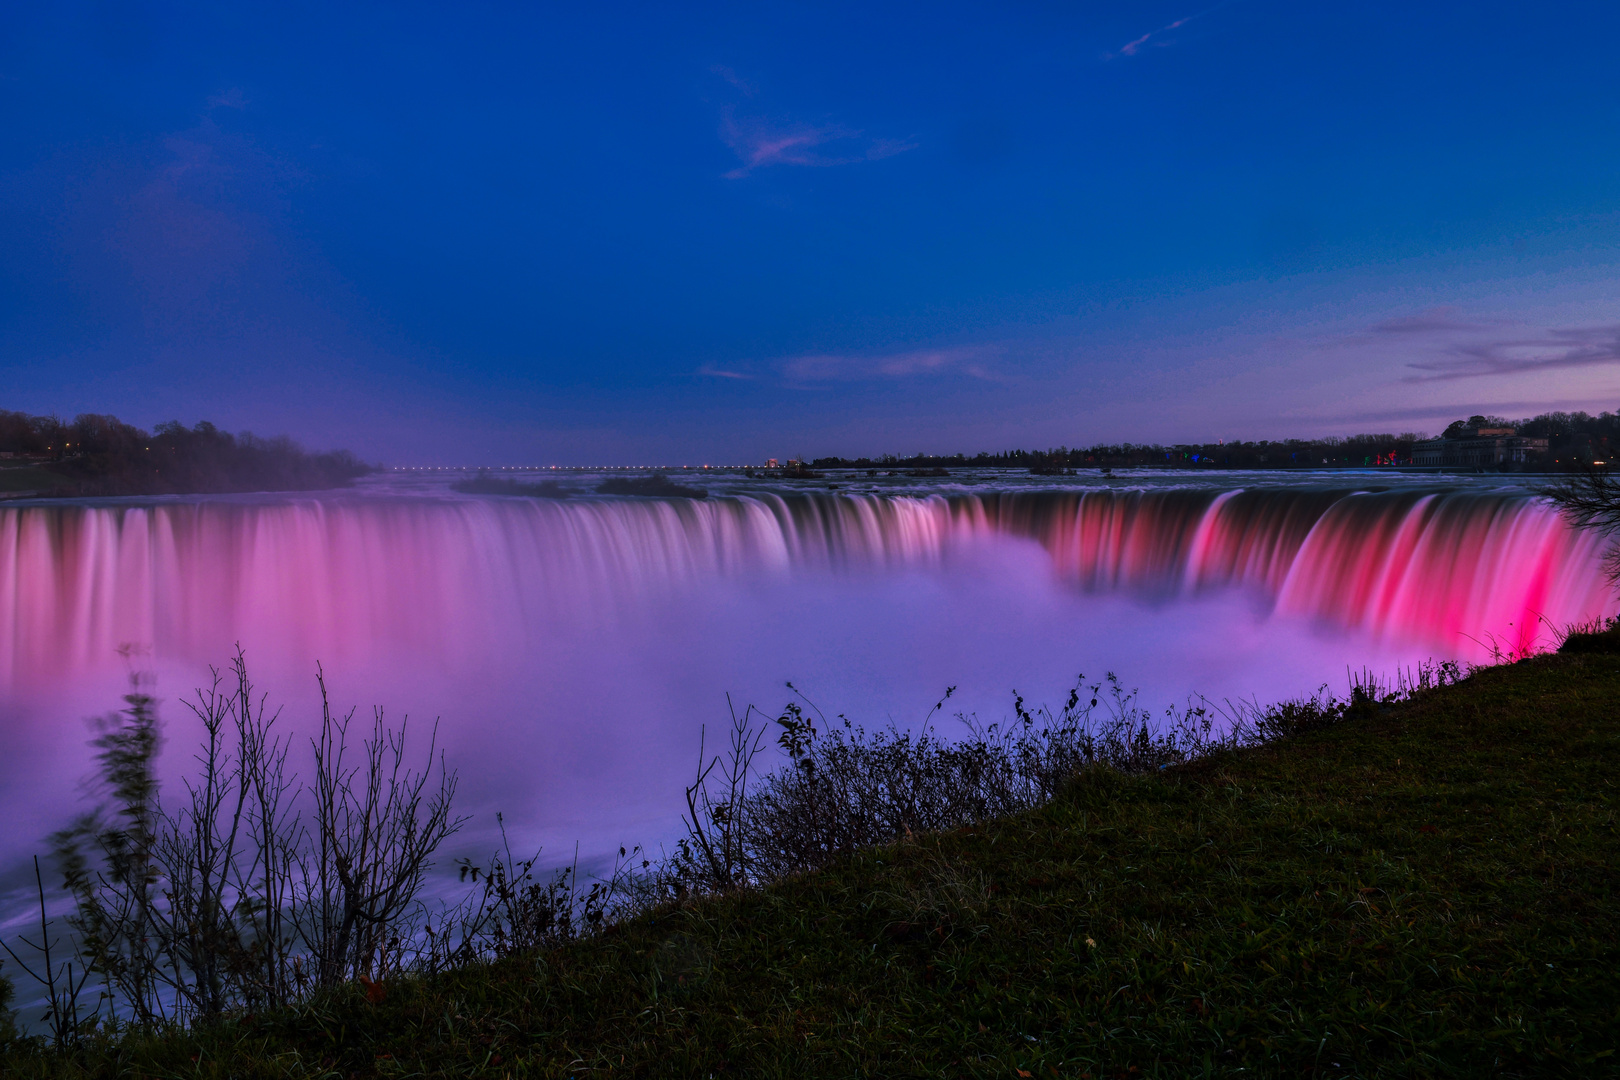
(1428, 891)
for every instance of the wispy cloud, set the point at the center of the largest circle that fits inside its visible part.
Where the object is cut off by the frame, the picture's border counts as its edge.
(970, 360)
(1131, 48)
(761, 142)
(713, 372)
(1547, 350)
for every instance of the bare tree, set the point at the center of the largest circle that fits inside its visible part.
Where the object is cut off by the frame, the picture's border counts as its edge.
(713, 855)
(377, 824)
(225, 855)
(276, 834)
(1592, 501)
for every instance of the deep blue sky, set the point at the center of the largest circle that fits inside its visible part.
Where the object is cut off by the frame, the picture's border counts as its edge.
(603, 234)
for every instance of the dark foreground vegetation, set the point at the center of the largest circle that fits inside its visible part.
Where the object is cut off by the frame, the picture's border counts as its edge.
(1574, 441)
(101, 455)
(1411, 884)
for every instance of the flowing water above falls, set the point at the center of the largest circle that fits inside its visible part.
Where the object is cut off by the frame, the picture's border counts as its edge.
(574, 647)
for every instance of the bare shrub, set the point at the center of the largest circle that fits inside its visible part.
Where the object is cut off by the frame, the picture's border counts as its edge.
(64, 1018)
(842, 788)
(226, 855)
(515, 909)
(714, 855)
(376, 825)
(228, 901)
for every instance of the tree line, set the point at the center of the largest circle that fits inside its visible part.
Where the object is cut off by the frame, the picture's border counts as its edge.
(95, 454)
(1574, 441)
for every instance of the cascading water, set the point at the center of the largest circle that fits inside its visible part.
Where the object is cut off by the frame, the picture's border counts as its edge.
(1458, 569)
(574, 647)
(355, 580)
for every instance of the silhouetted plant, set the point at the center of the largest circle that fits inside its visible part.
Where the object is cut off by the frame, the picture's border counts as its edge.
(1595, 636)
(842, 788)
(100, 455)
(714, 855)
(377, 823)
(1591, 500)
(227, 856)
(108, 864)
(229, 901)
(63, 1018)
(517, 910)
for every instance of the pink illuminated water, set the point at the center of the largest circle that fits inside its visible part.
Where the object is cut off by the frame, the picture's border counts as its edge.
(574, 648)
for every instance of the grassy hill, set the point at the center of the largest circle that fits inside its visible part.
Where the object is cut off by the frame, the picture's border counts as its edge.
(1430, 891)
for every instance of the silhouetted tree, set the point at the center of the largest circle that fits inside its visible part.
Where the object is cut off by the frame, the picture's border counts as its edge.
(1592, 501)
(101, 455)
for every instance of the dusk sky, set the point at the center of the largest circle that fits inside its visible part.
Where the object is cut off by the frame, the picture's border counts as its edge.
(595, 234)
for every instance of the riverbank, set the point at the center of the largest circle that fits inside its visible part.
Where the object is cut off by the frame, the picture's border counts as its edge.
(1430, 890)
(28, 481)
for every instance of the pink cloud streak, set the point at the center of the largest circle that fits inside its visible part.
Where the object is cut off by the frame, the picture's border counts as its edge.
(1131, 48)
(761, 143)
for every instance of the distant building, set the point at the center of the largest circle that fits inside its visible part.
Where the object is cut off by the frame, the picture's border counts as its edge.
(1481, 448)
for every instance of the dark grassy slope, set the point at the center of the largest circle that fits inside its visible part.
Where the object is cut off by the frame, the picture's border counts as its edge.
(1428, 891)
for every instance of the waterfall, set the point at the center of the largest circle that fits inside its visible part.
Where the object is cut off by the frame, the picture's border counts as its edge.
(1455, 568)
(354, 578)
